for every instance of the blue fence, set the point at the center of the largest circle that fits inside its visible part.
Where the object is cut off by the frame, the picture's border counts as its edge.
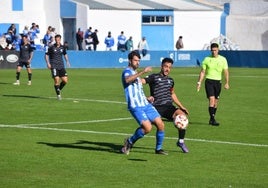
(115, 59)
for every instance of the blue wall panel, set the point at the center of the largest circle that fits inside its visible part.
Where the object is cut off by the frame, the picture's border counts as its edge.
(4, 27)
(17, 5)
(115, 59)
(258, 59)
(225, 13)
(159, 37)
(67, 9)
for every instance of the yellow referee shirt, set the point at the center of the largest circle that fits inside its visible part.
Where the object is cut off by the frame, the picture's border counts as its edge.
(214, 67)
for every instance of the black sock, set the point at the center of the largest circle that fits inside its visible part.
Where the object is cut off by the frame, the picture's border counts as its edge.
(29, 76)
(18, 75)
(215, 110)
(62, 84)
(57, 89)
(182, 133)
(211, 113)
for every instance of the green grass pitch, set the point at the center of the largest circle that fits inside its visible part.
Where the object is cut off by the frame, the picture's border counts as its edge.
(75, 142)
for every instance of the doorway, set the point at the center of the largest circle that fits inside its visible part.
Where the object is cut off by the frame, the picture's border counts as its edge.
(69, 32)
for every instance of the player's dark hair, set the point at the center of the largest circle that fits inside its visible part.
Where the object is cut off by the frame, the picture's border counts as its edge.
(167, 59)
(134, 53)
(214, 45)
(58, 36)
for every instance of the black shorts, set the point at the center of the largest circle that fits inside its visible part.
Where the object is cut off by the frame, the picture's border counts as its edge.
(58, 73)
(166, 111)
(213, 88)
(23, 63)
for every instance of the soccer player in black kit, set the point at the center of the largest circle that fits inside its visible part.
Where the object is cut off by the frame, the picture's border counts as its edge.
(55, 63)
(26, 55)
(163, 96)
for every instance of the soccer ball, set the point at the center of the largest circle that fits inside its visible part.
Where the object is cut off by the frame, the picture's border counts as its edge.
(181, 121)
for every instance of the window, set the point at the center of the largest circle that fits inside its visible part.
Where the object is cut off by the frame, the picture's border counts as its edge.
(159, 20)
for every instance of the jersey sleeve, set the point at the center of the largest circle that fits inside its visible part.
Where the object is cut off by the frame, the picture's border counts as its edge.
(64, 52)
(204, 63)
(149, 79)
(225, 65)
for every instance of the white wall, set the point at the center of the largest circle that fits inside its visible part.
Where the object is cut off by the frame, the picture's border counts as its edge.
(41, 12)
(115, 21)
(197, 28)
(81, 16)
(247, 24)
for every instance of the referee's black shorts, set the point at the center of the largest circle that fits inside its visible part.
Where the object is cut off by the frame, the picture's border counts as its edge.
(213, 88)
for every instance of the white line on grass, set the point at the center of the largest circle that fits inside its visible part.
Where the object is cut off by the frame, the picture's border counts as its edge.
(92, 100)
(124, 134)
(67, 123)
(236, 76)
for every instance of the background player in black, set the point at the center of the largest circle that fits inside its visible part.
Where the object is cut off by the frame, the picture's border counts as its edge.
(55, 63)
(26, 55)
(163, 97)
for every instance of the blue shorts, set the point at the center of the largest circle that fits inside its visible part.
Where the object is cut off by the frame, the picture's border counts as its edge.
(145, 113)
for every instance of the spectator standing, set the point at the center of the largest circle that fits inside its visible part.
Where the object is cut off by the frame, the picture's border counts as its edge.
(3, 42)
(212, 68)
(129, 44)
(55, 63)
(52, 32)
(9, 38)
(66, 45)
(143, 46)
(47, 39)
(109, 42)
(88, 32)
(89, 43)
(26, 30)
(25, 58)
(79, 39)
(33, 34)
(13, 31)
(95, 39)
(121, 44)
(179, 43)
(143, 112)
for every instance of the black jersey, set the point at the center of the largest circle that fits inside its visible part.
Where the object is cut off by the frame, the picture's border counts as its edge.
(55, 56)
(160, 88)
(25, 52)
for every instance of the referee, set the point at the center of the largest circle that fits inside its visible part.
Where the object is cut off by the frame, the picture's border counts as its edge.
(212, 68)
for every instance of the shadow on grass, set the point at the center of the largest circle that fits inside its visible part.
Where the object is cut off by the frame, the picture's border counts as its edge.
(96, 146)
(87, 145)
(4, 83)
(25, 96)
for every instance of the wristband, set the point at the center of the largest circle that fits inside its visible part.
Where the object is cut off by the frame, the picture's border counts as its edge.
(198, 83)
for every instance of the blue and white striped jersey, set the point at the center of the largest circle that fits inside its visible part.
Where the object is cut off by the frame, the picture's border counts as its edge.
(134, 93)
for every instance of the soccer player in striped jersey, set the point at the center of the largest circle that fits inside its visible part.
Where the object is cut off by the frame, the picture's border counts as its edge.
(55, 63)
(26, 55)
(163, 97)
(143, 112)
